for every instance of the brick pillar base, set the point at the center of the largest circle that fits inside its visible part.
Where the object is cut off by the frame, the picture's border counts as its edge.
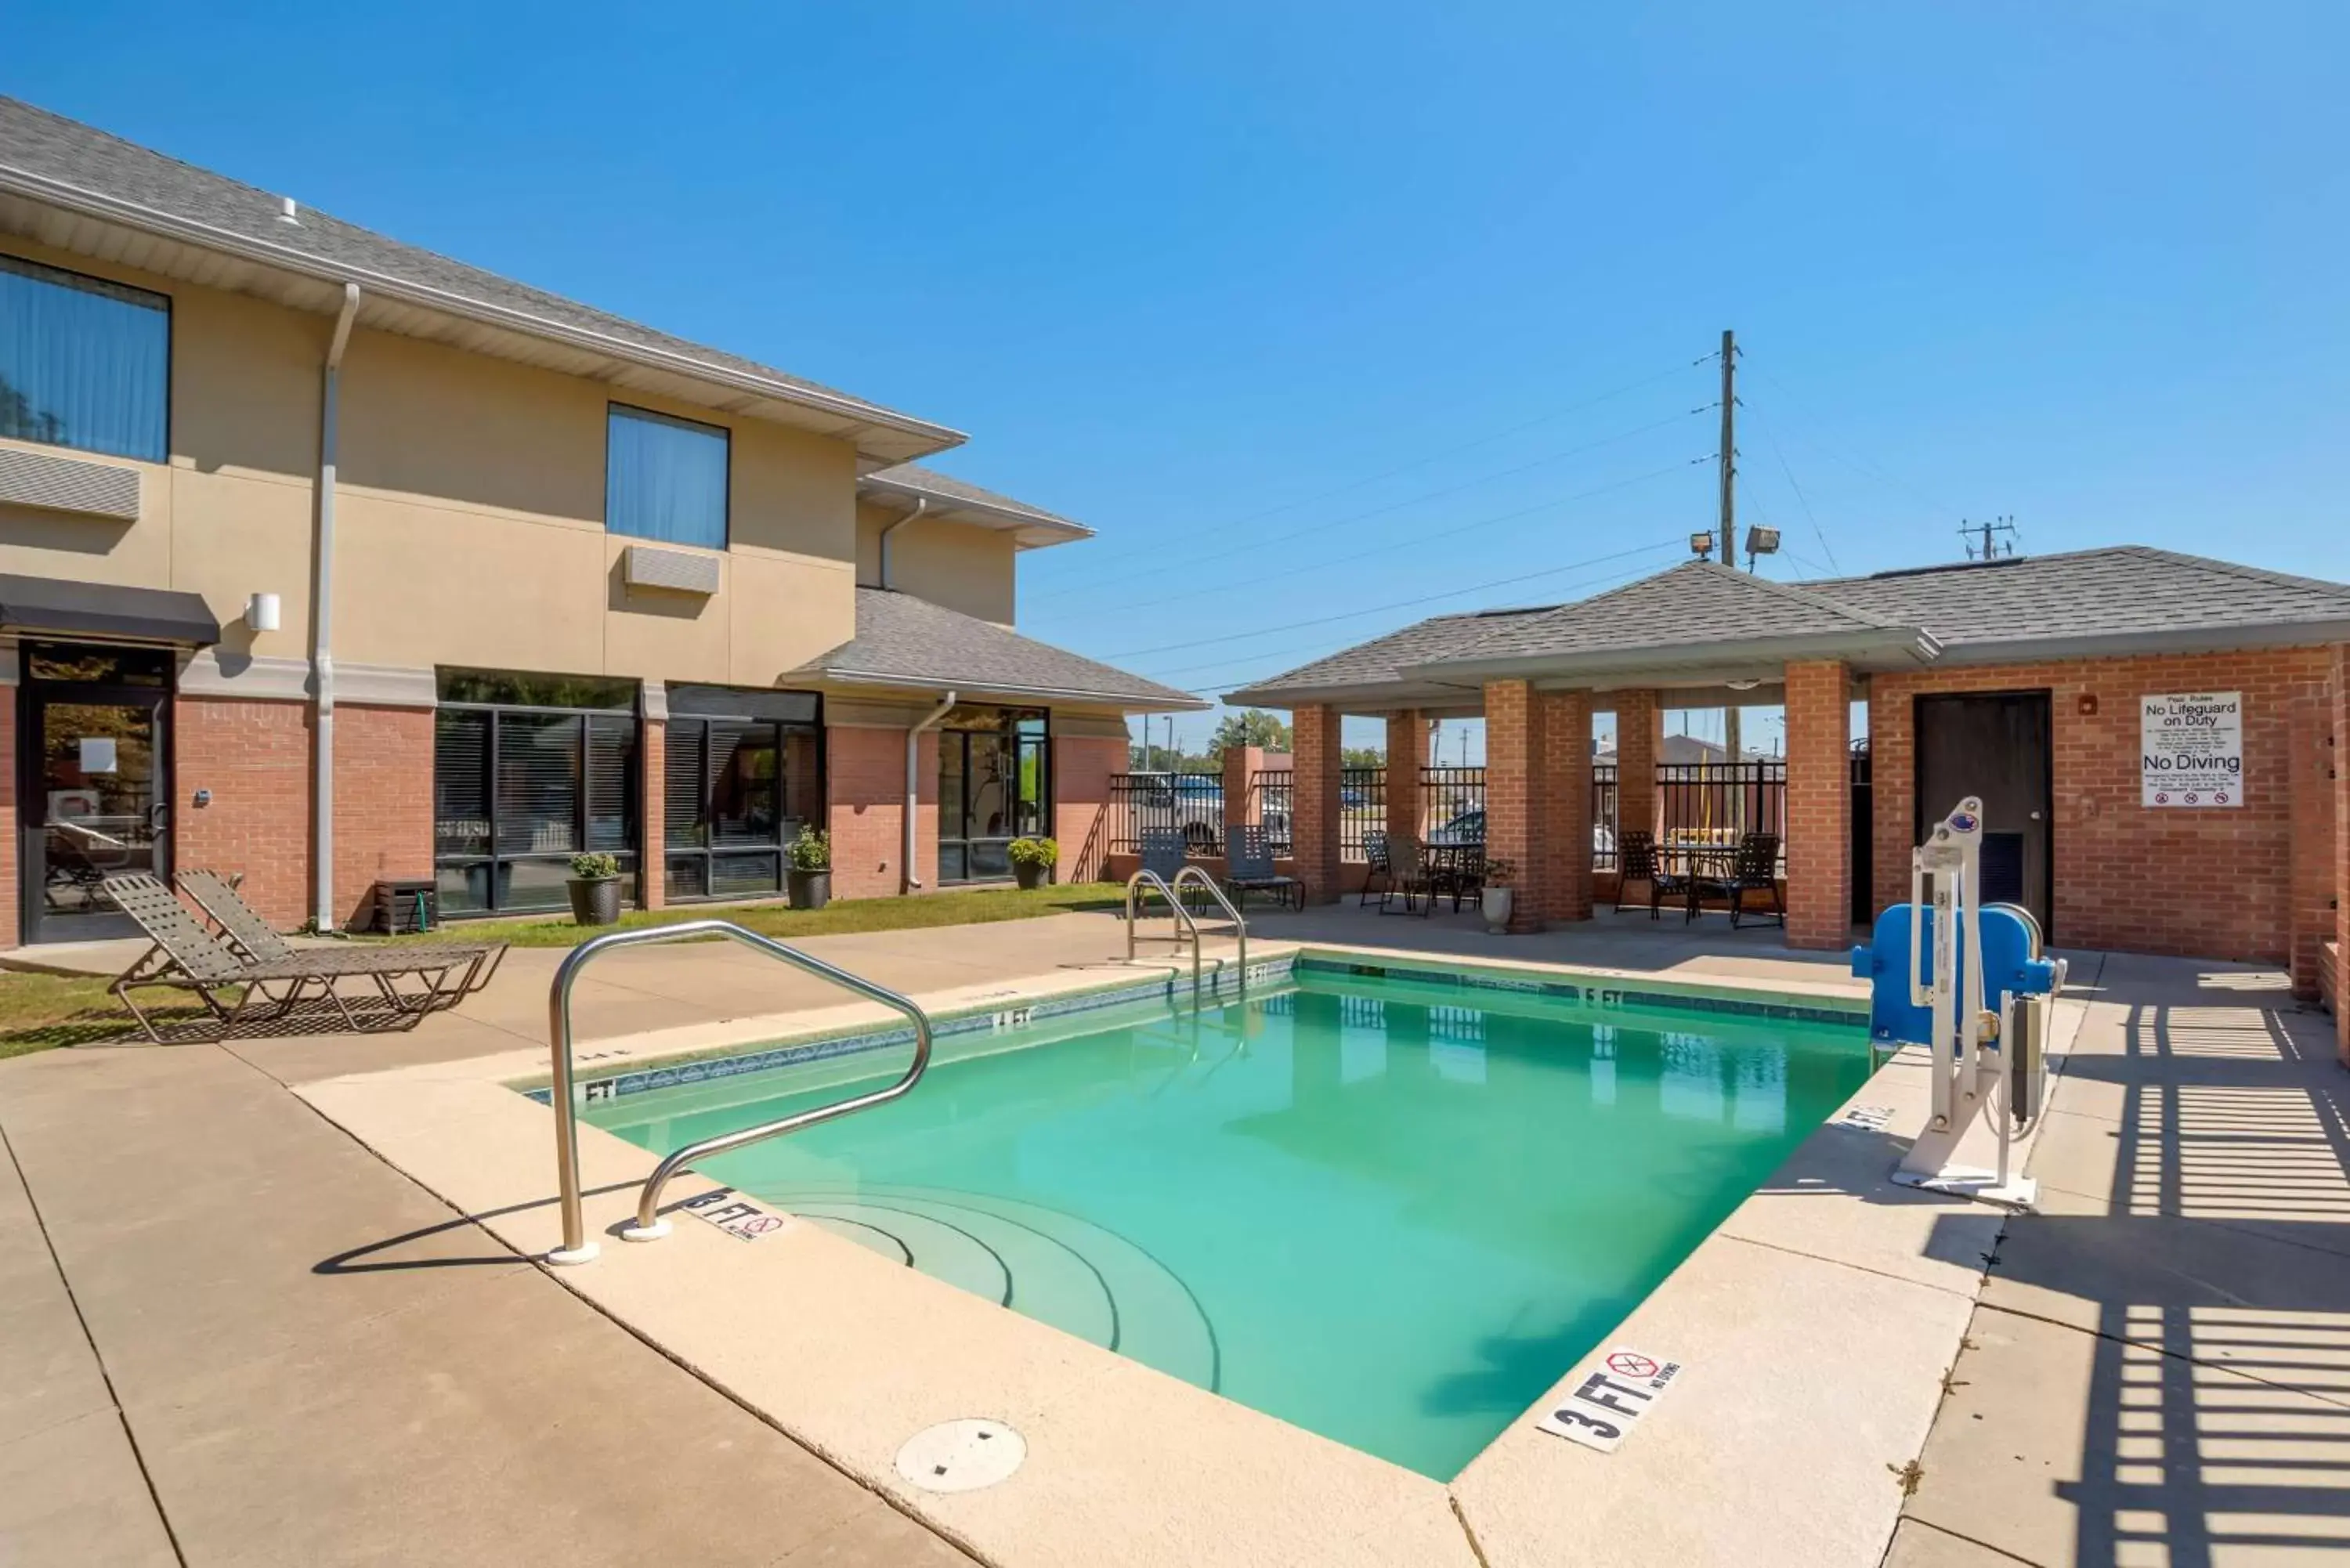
(652, 778)
(1819, 804)
(1313, 825)
(1565, 777)
(1407, 749)
(1514, 798)
(1639, 734)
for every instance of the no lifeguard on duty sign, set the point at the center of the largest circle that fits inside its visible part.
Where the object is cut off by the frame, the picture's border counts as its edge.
(2191, 749)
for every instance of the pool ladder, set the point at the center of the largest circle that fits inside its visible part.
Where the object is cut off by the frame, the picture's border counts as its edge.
(650, 1226)
(1190, 875)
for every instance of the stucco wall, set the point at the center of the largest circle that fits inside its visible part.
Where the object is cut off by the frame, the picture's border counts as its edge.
(963, 567)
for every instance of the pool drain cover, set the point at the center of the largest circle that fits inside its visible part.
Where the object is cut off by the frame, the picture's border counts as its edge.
(962, 1456)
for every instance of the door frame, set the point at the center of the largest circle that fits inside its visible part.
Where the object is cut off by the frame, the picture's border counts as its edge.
(2046, 697)
(33, 801)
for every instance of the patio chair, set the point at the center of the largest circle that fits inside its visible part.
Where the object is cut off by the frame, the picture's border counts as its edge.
(185, 956)
(1374, 852)
(1165, 852)
(1636, 861)
(1408, 875)
(1754, 868)
(1458, 870)
(257, 941)
(1249, 868)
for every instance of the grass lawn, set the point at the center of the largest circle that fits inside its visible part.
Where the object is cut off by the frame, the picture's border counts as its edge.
(975, 906)
(41, 1011)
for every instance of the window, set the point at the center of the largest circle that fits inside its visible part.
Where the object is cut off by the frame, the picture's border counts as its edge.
(84, 363)
(526, 771)
(744, 771)
(665, 478)
(995, 786)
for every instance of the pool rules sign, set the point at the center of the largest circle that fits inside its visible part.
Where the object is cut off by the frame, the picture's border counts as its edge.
(2192, 749)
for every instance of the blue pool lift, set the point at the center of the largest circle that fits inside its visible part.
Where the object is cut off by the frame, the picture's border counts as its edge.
(1968, 981)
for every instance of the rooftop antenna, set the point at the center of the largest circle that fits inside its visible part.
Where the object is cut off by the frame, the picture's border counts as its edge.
(1990, 541)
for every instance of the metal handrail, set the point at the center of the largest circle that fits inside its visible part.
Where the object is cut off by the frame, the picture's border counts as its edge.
(1192, 874)
(1153, 879)
(649, 1225)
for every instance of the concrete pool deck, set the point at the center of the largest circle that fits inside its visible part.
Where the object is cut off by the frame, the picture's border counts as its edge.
(314, 1357)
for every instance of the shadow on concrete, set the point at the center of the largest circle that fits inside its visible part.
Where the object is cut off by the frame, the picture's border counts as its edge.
(371, 1259)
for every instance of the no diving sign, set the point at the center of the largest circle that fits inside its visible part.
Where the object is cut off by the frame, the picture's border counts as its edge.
(1607, 1399)
(736, 1215)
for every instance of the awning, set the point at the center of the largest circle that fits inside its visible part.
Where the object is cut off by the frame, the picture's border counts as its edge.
(102, 609)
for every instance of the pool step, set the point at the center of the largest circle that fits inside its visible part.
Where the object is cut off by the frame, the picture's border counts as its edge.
(1051, 1265)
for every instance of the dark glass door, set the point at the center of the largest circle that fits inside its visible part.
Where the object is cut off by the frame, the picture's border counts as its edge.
(95, 778)
(995, 786)
(1994, 745)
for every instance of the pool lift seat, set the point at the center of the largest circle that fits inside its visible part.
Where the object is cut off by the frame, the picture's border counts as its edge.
(1966, 980)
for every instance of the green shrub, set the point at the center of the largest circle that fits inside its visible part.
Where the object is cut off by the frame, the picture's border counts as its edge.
(1034, 852)
(811, 850)
(595, 868)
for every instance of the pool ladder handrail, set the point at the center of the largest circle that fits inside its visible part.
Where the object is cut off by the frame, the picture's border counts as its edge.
(650, 1226)
(1190, 876)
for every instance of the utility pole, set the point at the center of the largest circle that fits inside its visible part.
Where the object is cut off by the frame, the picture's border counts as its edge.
(1728, 455)
(1984, 540)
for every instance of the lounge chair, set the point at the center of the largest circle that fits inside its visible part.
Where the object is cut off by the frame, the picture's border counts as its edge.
(1408, 875)
(1249, 868)
(1375, 852)
(1636, 862)
(1165, 853)
(185, 956)
(257, 941)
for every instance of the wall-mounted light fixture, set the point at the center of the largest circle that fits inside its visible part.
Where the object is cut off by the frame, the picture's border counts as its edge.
(261, 612)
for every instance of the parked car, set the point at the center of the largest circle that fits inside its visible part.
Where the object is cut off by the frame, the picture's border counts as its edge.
(1188, 800)
(1468, 827)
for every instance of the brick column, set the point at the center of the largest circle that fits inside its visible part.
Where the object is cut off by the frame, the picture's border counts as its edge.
(1407, 750)
(12, 925)
(1314, 825)
(1639, 734)
(2341, 857)
(652, 776)
(1514, 795)
(1819, 804)
(1242, 808)
(2310, 869)
(1566, 809)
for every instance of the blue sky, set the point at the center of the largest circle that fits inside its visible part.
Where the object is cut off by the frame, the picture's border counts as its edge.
(1315, 308)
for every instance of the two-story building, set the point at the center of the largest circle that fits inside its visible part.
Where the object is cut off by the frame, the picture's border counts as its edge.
(329, 560)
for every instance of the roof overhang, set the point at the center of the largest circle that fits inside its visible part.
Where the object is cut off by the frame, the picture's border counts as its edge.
(1698, 663)
(2170, 639)
(109, 228)
(1434, 698)
(1030, 530)
(50, 604)
(1126, 701)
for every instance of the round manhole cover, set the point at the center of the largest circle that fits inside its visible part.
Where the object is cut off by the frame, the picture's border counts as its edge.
(962, 1456)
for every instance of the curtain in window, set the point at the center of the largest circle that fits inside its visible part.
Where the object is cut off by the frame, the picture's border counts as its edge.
(83, 363)
(665, 478)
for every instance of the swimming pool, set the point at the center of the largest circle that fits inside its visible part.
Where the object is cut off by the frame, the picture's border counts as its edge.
(1387, 1211)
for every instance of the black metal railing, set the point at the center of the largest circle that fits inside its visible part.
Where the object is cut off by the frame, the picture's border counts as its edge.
(1453, 803)
(1603, 816)
(1716, 804)
(1191, 803)
(1273, 804)
(1362, 808)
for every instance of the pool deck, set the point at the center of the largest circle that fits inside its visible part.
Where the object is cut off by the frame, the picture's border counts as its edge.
(237, 1334)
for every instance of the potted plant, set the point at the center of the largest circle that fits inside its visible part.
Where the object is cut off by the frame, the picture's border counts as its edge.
(1032, 858)
(594, 889)
(1498, 896)
(810, 878)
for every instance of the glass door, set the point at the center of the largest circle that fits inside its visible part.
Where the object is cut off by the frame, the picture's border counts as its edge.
(96, 789)
(995, 786)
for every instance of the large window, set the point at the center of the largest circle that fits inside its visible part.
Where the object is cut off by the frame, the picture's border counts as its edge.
(665, 478)
(995, 786)
(741, 772)
(84, 363)
(527, 771)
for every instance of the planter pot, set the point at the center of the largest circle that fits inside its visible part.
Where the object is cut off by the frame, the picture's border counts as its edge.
(1029, 874)
(594, 902)
(1494, 904)
(809, 889)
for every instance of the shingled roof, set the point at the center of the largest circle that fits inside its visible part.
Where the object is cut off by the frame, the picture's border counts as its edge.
(903, 640)
(959, 499)
(59, 163)
(1703, 621)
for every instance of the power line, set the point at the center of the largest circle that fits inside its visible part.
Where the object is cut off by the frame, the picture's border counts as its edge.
(1860, 464)
(1420, 540)
(1805, 501)
(1067, 590)
(1399, 604)
(1352, 485)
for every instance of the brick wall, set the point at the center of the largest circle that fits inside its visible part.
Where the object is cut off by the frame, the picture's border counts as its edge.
(1081, 765)
(12, 926)
(867, 806)
(383, 801)
(1565, 780)
(1407, 752)
(1639, 735)
(1819, 804)
(652, 813)
(1513, 800)
(2339, 676)
(2199, 883)
(2309, 748)
(1314, 807)
(254, 758)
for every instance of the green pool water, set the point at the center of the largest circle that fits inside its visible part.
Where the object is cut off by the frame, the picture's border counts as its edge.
(1389, 1212)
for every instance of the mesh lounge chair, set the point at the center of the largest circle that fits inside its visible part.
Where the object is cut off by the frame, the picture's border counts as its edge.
(1408, 875)
(1753, 868)
(1636, 862)
(258, 941)
(1375, 852)
(184, 955)
(1164, 855)
(1249, 868)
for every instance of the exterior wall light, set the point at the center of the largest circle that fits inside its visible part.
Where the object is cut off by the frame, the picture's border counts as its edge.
(261, 612)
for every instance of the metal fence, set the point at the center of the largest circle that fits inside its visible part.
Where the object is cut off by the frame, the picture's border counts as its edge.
(1603, 816)
(1718, 803)
(1452, 801)
(1273, 797)
(1362, 808)
(1193, 804)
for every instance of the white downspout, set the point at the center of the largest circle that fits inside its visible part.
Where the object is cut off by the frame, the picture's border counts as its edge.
(921, 504)
(906, 881)
(322, 621)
